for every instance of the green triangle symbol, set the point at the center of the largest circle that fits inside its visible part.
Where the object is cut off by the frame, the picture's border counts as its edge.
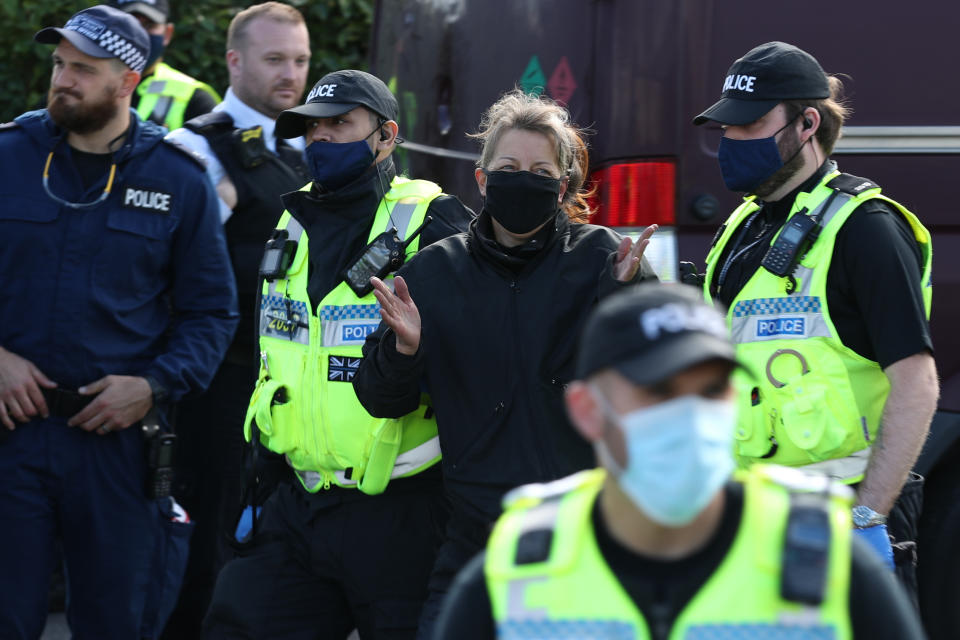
(533, 81)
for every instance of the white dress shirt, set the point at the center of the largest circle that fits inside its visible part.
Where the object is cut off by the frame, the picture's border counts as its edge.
(244, 117)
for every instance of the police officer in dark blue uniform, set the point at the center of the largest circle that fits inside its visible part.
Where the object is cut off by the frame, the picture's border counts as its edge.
(116, 297)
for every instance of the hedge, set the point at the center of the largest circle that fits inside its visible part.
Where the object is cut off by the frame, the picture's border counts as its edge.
(339, 38)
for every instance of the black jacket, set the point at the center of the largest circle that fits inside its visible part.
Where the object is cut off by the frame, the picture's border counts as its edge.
(498, 339)
(260, 178)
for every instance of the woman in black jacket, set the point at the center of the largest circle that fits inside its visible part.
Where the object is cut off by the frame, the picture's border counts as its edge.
(485, 322)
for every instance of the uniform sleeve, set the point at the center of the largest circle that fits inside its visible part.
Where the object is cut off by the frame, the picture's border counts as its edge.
(466, 612)
(203, 296)
(389, 383)
(450, 216)
(877, 265)
(215, 171)
(200, 103)
(879, 609)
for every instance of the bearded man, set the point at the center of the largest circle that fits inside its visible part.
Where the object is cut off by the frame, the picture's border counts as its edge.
(117, 299)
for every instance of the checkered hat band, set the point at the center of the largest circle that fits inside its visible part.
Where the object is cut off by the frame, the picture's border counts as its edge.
(123, 49)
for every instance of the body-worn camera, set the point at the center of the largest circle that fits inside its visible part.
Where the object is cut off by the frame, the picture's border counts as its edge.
(159, 477)
(277, 255)
(384, 255)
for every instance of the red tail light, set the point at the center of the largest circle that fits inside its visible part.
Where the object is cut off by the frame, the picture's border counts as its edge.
(635, 194)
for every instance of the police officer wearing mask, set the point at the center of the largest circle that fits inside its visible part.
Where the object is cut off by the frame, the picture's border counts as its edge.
(350, 541)
(165, 95)
(828, 287)
(116, 300)
(665, 540)
(268, 56)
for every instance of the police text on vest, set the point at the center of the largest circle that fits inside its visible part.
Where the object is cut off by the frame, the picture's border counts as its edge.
(149, 200)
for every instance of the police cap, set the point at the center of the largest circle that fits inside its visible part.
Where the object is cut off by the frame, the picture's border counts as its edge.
(651, 332)
(766, 76)
(335, 94)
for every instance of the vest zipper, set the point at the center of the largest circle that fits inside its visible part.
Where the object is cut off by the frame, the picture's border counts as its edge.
(312, 365)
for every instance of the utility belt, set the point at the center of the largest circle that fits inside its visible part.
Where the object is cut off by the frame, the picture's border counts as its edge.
(65, 403)
(158, 445)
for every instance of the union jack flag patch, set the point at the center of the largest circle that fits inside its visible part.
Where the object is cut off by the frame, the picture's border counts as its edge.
(342, 368)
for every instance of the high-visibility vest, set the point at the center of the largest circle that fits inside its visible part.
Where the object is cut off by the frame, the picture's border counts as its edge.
(808, 400)
(304, 404)
(547, 577)
(165, 94)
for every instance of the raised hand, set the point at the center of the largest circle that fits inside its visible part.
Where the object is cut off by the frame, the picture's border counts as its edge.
(629, 254)
(399, 312)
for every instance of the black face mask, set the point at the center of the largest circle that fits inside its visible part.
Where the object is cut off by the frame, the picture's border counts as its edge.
(521, 201)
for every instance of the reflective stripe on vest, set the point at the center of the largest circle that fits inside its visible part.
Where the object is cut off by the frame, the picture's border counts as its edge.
(164, 96)
(848, 469)
(571, 592)
(405, 463)
(746, 324)
(311, 355)
(808, 399)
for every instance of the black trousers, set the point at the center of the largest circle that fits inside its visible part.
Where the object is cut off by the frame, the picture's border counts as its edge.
(903, 527)
(327, 563)
(465, 537)
(209, 462)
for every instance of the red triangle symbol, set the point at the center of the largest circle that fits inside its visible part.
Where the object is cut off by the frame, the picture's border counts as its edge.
(562, 85)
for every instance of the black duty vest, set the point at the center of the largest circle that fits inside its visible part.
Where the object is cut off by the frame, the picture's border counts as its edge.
(260, 178)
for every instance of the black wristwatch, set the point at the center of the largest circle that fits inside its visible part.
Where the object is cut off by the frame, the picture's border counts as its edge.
(159, 391)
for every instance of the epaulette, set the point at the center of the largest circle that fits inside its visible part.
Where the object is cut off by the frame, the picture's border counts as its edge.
(209, 122)
(528, 494)
(6, 126)
(187, 151)
(853, 185)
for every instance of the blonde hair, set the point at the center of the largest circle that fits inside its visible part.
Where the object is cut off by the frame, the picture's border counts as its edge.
(525, 112)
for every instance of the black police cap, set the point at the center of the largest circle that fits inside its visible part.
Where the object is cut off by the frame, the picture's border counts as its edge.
(652, 332)
(335, 94)
(764, 77)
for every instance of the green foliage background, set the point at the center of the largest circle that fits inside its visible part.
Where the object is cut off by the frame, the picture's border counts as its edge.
(339, 38)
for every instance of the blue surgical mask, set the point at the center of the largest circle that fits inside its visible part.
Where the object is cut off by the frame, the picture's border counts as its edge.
(746, 164)
(156, 49)
(336, 164)
(679, 453)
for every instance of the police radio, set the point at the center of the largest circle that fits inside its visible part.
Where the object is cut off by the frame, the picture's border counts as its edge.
(158, 449)
(384, 255)
(277, 255)
(798, 235)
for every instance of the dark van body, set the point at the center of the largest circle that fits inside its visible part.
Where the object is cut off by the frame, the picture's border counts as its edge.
(637, 71)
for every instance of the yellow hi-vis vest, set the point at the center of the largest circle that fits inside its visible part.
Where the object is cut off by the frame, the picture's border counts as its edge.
(573, 593)
(807, 400)
(165, 94)
(304, 404)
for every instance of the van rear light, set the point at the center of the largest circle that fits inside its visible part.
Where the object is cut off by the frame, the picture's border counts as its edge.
(635, 194)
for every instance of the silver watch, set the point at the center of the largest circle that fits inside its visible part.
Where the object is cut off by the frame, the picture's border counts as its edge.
(864, 516)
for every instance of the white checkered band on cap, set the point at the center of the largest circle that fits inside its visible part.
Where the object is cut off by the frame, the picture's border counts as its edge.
(123, 49)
